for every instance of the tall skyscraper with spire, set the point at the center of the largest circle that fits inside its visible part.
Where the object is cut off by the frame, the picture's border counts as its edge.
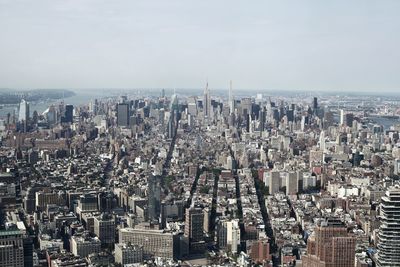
(207, 102)
(231, 99)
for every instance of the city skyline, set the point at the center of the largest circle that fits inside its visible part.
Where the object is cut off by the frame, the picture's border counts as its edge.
(199, 133)
(287, 180)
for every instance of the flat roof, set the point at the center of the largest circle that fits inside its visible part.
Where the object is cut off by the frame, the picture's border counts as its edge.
(10, 232)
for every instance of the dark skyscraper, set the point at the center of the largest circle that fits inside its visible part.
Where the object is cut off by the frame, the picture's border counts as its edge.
(122, 114)
(68, 114)
(349, 119)
(290, 115)
(315, 108)
(262, 118)
(194, 224)
(194, 221)
(154, 196)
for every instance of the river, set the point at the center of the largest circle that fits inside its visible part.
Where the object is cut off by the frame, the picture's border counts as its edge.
(81, 97)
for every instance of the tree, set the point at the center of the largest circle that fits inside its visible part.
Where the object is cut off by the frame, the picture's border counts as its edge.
(205, 189)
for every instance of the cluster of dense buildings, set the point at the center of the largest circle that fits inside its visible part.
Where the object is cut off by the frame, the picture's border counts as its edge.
(159, 181)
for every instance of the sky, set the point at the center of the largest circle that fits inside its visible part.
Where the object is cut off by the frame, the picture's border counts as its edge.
(317, 45)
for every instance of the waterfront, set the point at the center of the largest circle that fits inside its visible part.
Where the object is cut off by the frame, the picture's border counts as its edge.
(81, 97)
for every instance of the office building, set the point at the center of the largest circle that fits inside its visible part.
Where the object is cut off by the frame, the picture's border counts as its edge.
(194, 224)
(155, 243)
(246, 105)
(292, 185)
(342, 117)
(192, 106)
(274, 181)
(229, 235)
(88, 202)
(82, 244)
(207, 102)
(259, 251)
(23, 111)
(46, 197)
(104, 228)
(11, 248)
(123, 114)
(128, 254)
(194, 221)
(349, 118)
(231, 100)
(389, 230)
(51, 115)
(174, 105)
(68, 114)
(330, 245)
(315, 104)
(154, 197)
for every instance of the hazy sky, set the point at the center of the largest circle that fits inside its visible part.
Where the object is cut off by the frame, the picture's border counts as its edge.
(311, 45)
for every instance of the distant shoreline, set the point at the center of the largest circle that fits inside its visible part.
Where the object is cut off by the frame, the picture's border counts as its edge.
(218, 90)
(14, 97)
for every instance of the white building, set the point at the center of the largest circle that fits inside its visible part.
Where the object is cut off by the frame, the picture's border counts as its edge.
(83, 245)
(229, 235)
(23, 111)
(128, 254)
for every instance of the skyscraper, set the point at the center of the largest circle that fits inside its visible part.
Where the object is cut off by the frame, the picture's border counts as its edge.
(315, 104)
(12, 246)
(23, 111)
(170, 127)
(192, 105)
(330, 246)
(389, 230)
(154, 197)
(349, 118)
(229, 235)
(194, 223)
(231, 99)
(69, 113)
(322, 142)
(342, 117)
(259, 251)
(51, 115)
(246, 106)
(206, 102)
(263, 119)
(194, 229)
(104, 228)
(174, 103)
(123, 114)
(315, 108)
